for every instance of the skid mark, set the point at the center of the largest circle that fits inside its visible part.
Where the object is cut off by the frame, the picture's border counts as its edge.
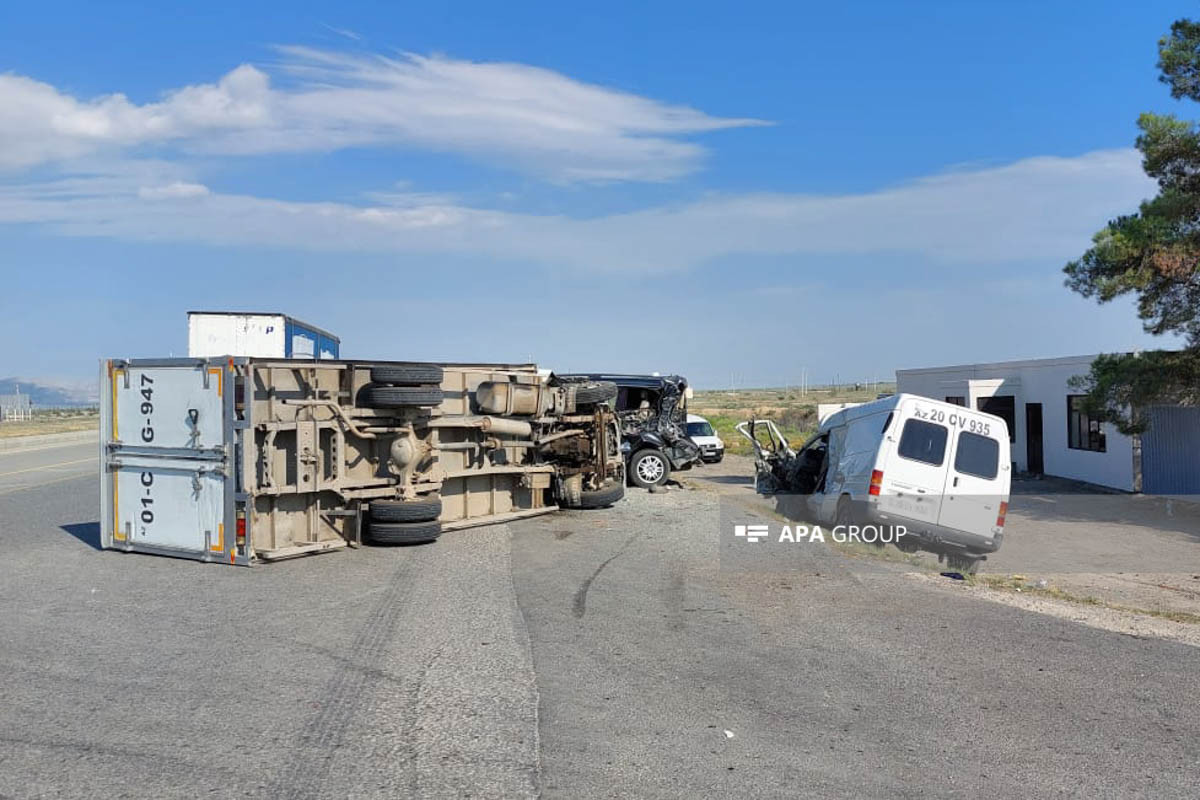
(579, 607)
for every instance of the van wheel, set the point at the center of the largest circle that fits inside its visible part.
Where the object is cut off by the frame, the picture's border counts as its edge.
(964, 564)
(649, 468)
(845, 512)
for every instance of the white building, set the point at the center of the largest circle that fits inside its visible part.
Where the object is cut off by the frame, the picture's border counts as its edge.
(1052, 435)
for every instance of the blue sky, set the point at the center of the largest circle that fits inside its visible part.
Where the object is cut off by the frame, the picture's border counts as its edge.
(729, 192)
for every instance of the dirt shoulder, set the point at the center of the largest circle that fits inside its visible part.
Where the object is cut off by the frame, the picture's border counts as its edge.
(41, 426)
(1123, 563)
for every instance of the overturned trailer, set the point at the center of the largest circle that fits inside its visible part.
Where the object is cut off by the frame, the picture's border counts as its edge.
(238, 460)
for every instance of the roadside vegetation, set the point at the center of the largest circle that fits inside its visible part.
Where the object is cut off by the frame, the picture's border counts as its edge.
(59, 420)
(795, 412)
(1018, 583)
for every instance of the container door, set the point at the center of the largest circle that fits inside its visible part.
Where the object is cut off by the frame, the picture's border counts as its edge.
(169, 504)
(167, 461)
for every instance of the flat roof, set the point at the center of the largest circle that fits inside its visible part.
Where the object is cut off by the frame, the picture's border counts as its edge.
(986, 365)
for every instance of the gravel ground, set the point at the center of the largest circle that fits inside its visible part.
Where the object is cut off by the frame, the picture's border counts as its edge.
(626, 652)
(1124, 553)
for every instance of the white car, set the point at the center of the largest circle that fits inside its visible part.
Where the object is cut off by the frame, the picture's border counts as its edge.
(712, 449)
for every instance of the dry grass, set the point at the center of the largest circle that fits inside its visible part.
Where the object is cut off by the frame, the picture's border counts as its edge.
(51, 422)
(794, 412)
(1017, 583)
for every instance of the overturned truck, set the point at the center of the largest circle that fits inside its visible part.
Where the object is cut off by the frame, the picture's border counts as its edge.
(238, 460)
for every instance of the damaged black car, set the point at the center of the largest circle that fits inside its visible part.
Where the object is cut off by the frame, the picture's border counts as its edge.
(653, 414)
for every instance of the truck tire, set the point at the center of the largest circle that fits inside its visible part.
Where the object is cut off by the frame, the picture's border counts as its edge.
(649, 467)
(603, 497)
(593, 392)
(407, 374)
(420, 510)
(375, 396)
(403, 532)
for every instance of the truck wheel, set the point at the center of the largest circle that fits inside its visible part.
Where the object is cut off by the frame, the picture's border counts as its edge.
(649, 468)
(421, 510)
(373, 396)
(593, 392)
(603, 497)
(403, 532)
(406, 374)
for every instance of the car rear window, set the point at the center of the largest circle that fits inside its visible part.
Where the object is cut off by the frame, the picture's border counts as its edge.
(977, 455)
(923, 441)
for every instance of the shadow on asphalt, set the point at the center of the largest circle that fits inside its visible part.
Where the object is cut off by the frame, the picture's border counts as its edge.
(86, 532)
(735, 479)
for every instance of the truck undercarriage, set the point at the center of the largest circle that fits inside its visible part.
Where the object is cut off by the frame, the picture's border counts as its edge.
(243, 459)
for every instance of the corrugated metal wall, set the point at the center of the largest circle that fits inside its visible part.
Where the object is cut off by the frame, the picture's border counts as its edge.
(1171, 451)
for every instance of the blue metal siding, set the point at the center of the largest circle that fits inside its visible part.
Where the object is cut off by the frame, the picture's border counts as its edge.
(1171, 451)
(327, 347)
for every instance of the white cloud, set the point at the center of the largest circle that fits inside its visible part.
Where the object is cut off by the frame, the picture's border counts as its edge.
(1039, 208)
(526, 118)
(173, 191)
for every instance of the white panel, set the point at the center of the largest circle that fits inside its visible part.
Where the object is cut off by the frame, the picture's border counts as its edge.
(259, 335)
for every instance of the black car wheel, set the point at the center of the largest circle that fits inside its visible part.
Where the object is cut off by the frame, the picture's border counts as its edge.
(649, 468)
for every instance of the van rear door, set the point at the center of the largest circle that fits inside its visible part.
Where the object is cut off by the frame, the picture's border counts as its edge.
(914, 468)
(978, 479)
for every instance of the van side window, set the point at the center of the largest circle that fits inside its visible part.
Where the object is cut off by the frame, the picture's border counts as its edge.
(887, 423)
(977, 455)
(923, 441)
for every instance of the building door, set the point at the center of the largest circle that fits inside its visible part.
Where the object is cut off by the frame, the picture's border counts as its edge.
(1033, 439)
(1170, 464)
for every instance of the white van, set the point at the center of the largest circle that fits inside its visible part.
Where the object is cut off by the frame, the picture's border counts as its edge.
(940, 470)
(712, 449)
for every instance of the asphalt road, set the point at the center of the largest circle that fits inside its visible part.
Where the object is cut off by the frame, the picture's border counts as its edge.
(617, 653)
(26, 469)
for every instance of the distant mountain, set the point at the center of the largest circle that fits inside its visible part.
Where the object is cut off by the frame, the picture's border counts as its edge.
(44, 392)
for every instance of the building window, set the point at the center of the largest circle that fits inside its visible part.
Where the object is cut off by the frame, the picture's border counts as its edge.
(1004, 407)
(957, 400)
(1083, 432)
